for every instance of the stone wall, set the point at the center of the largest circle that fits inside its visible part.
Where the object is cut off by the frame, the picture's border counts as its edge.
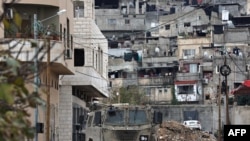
(207, 114)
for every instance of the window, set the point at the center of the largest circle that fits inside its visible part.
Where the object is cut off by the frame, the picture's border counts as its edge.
(187, 24)
(78, 9)
(160, 91)
(165, 90)
(79, 57)
(147, 91)
(97, 118)
(186, 89)
(115, 117)
(137, 117)
(190, 68)
(111, 21)
(188, 53)
(127, 21)
(193, 68)
(167, 27)
(68, 34)
(90, 118)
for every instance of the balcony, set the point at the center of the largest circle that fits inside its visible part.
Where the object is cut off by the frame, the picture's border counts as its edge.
(188, 76)
(19, 20)
(23, 50)
(40, 2)
(123, 82)
(141, 81)
(89, 81)
(156, 81)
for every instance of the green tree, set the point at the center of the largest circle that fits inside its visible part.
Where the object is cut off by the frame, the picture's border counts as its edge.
(15, 98)
(14, 101)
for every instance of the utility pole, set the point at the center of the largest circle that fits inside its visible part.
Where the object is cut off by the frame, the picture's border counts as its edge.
(36, 72)
(48, 91)
(226, 93)
(219, 110)
(225, 71)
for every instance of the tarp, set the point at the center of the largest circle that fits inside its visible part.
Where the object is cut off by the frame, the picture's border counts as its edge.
(243, 89)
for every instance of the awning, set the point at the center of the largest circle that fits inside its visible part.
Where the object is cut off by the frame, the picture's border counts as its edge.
(185, 82)
(243, 89)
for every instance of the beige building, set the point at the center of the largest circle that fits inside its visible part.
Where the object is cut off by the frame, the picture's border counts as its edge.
(78, 61)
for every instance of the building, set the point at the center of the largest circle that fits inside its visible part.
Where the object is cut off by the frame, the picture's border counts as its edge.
(77, 61)
(90, 57)
(181, 45)
(133, 36)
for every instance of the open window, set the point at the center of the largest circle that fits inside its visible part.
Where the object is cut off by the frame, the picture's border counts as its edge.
(186, 89)
(79, 57)
(78, 9)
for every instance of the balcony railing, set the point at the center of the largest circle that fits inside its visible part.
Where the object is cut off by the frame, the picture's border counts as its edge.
(156, 81)
(23, 50)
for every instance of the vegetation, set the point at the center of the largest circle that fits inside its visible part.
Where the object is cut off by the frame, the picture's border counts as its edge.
(15, 98)
(14, 101)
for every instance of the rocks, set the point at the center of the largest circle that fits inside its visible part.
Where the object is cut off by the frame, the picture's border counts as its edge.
(175, 131)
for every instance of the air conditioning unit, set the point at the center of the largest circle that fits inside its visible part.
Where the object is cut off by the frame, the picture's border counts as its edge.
(68, 54)
(205, 81)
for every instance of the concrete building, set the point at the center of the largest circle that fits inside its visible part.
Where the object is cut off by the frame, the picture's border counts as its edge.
(78, 61)
(181, 43)
(205, 38)
(131, 29)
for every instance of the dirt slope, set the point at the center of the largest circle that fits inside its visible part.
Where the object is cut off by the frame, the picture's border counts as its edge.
(175, 131)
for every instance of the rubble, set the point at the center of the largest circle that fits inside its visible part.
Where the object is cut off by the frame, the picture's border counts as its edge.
(175, 131)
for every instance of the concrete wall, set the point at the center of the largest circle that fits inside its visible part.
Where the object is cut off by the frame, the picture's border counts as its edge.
(65, 113)
(111, 19)
(208, 115)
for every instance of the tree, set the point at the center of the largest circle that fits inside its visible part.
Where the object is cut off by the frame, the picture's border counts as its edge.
(15, 98)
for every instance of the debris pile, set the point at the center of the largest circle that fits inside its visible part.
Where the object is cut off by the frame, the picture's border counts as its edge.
(175, 131)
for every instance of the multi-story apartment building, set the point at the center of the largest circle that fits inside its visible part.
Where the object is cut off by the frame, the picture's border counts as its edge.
(180, 46)
(206, 36)
(72, 72)
(131, 27)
